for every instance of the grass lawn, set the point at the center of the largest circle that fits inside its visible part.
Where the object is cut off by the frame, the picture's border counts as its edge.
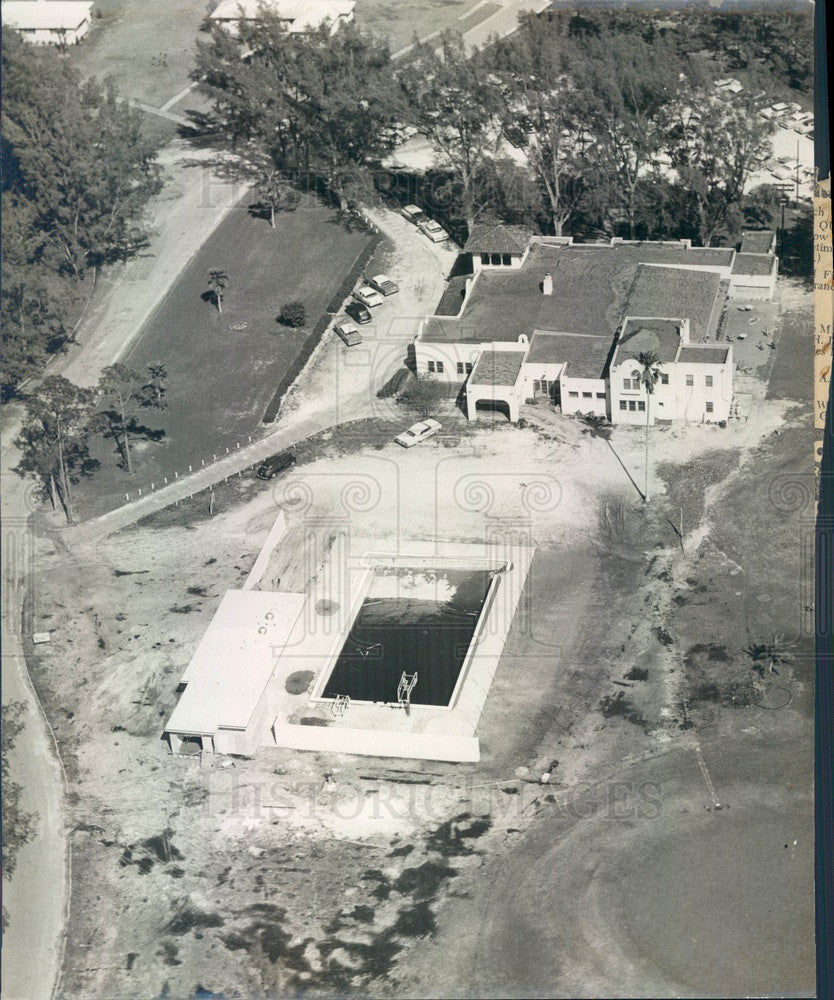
(792, 376)
(147, 46)
(220, 380)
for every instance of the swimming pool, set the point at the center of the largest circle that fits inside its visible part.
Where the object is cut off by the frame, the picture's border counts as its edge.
(412, 620)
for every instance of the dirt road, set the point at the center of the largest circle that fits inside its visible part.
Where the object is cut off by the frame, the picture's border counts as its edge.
(36, 896)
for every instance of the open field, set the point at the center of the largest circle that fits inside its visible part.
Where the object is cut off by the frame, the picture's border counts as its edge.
(220, 380)
(400, 20)
(147, 46)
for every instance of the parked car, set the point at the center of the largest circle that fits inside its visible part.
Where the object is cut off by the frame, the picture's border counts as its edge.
(435, 232)
(348, 332)
(368, 296)
(358, 313)
(276, 464)
(417, 433)
(414, 214)
(382, 283)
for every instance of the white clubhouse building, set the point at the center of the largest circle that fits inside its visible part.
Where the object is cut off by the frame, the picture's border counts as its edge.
(542, 316)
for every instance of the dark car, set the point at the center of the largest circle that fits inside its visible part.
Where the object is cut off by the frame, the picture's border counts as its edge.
(358, 313)
(277, 463)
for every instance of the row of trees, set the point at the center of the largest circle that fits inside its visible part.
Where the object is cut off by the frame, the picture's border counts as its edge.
(77, 172)
(619, 127)
(54, 440)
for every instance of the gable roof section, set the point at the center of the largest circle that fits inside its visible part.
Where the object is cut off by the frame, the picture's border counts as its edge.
(704, 354)
(664, 291)
(753, 264)
(497, 368)
(758, 241)
(661, 337)
(583, 355)
(46, 15)
(591, 288)
(497, 239)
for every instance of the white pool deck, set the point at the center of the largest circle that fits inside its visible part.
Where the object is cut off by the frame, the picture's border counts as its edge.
(424, 731)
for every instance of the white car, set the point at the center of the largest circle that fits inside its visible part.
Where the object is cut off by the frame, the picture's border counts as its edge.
(414, 214)
(417, 433)
(382, 283)
(435, 232)
(369, 296)
(348, 332)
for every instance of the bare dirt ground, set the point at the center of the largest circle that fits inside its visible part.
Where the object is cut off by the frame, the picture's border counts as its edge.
(677, 806)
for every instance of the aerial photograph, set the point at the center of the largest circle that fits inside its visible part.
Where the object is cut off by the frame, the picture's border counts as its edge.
(409, 499)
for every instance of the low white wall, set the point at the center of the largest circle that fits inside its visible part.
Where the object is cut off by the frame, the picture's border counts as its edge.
(377, 743)
(276, 532)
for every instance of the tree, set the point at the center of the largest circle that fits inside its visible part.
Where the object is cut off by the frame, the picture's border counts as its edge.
(540, 113)
(217, 281)
(316, 105)
(775, 651)
(454, 100)
(714, 154)
(82, 159)
(293, 314)
(424, 395)
(275, 191)
(624, 84)
(123, 393)
(649, 374)
(53, 438)
(18, 825)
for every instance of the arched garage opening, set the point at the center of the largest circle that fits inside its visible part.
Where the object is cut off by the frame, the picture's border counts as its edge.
(493, 409)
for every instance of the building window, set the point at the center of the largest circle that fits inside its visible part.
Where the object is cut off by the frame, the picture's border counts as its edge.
(626, 383)
(690, 380)
(537, 386)
(431, 366)
(632, 405)
(709, 407)
(709, 381)
(506, 260)
(600, 395)
(496, 260)
(623, 404)
(664, 379)
(468, 367)
(587, 395)
(484, 258)
(574, 395)
(460, 367)
(641, 406)
(440, 367)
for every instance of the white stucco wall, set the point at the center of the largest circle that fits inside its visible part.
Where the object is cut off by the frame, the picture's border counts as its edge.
(676, 400)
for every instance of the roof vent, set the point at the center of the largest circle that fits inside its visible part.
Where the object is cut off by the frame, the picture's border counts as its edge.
(547, 283)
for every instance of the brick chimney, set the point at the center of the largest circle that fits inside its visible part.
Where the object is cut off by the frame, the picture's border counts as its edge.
(547, 283)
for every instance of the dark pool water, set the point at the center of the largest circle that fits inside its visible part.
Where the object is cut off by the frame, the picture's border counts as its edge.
(392, 635)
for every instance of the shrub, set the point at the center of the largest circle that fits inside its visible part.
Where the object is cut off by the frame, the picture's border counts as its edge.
(292, 314)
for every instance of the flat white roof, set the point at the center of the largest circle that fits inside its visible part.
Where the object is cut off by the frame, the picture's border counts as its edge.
(234, 661)
(45, 15)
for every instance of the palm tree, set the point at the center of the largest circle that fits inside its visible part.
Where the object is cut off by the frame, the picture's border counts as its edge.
(773, 652)
(649, 374)
(218, 280)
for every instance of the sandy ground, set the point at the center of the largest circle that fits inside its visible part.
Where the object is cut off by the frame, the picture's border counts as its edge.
(324, 873)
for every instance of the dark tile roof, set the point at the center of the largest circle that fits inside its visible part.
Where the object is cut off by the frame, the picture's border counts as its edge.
(497, 368)
(760, 241)
(753, 263)
(591, 286)
(584, 355)
(704, 354)
(666, 292)
(661, 337)
(452, 298)
(497, 239)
